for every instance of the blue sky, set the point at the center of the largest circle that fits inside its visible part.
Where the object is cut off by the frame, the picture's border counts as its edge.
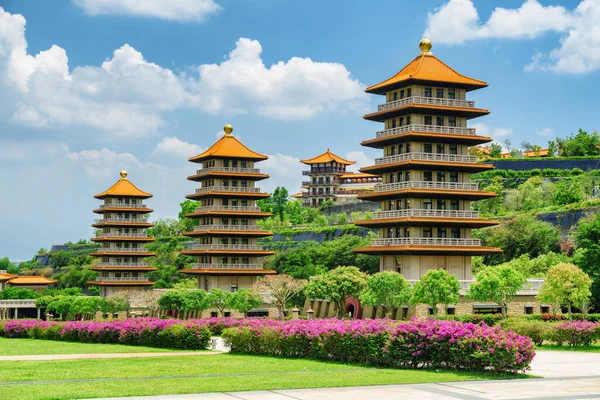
(89, 87)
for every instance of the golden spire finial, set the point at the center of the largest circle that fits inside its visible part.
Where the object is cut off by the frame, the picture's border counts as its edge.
(228, 129)
(425, 46)
(123, 174)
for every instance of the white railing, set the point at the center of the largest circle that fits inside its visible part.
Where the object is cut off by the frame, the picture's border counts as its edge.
(225, 247)
(121, 264)
(531, 287)
(424, 241)
(122, 205)
(124, 220)
(122, 249)
(228, 208)
(228, 189)
(431, 101)
(388, 187)
(123, 235)
(226, 266)
(452, 130)
(205, 171)
(425, 213)
(122, 279)
(425, 156)
(228, 228)
(17, 304)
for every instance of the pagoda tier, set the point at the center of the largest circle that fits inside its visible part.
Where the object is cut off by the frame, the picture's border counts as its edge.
(122, 234)
(229, 256)
(425, 220)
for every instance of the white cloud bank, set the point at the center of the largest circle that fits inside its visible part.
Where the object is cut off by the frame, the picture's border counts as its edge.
(458, 21)
(174, 10)
(127, 95)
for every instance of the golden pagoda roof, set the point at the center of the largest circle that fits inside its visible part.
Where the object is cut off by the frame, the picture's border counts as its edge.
(123, 187)
(7, 277)
(31, 280)
(326, 157)
(428, 68)
(229, 146)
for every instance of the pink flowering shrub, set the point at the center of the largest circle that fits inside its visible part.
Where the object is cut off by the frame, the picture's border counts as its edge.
(418, 343)
(577, 333)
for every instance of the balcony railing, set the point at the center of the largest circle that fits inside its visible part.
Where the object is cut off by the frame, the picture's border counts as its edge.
(228, 208)
(122, 205)
(205, 171)
(123, 235)
(452, 130)
(425, 213)
(228, 228)
(226, 247)
(121, 264)
(17, 304)
(324, 170)
(122, 279)
(388, 187)
(424, 241)
(426, 157)
(431, 101)
(228, 189)
(124, 220)
(122, 249)
(531, 287)
(321, 183)
(227, 266)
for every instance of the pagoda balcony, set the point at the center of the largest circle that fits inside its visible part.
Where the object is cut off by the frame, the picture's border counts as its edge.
(206, 171)
(452, 130)
(425, 157)
(227, 228)
(122, 249)
(390, 187)
(228, 189)
(430, 101)
(227, 208)
(122, 205)
(531, 287)
(122, 264)
(123, 235)
(122, 279)
(424, 241)
(333, 182)
(318, 194)
(225, 247)
(324, 170)
(425, 213)
(226, 266)
(124, 220)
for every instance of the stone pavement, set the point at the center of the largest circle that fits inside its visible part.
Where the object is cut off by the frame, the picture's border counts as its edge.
(51, 357)
(567, 375)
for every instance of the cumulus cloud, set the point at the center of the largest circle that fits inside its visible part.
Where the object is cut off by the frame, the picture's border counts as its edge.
(284, 170)
(579, 51)
(175, 10)
(174, 147)
(495, 133)
(361, 158)
(546, 132)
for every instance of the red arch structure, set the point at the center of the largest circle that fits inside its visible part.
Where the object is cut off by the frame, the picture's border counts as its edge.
(353, 307)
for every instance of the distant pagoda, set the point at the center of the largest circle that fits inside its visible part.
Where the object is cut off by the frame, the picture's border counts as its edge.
(425, 220)
(122, 235)
(229, 255)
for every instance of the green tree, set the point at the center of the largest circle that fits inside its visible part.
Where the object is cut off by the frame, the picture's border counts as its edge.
(172, 300)
(497, 284)
(587, 255)
(219, 299)
(495, 150)
(337, 285)
(581, 144)
(494, 205)
(279, 290)
(386, 289)
(113, 304)
(85, 306)
(61, 305)
(245, 300)
(194, 300)
(437, 286)
(188, 207)
(567, 191)
(12, 293)
(565, 284)
(9, 267)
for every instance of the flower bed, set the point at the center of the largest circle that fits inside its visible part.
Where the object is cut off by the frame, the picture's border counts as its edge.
(418, 343)
(577, 333)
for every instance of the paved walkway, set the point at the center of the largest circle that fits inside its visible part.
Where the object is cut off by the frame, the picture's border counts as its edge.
(566, 376)
(51, 357)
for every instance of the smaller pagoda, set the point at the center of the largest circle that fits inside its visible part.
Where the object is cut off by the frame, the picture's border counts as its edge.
(122, 234)
(228, 251)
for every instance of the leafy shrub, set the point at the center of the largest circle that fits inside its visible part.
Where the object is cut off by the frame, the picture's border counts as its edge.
(488, 319)
(577, 333)
(538, 331)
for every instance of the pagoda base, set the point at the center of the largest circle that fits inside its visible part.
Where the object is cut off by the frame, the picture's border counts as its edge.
(228, 282)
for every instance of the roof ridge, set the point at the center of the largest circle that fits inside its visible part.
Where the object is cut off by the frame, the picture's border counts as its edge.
(456, 72)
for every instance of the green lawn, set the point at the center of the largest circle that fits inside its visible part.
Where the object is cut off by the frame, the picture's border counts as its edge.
(21, 347)
(190, 374)
(595, 348)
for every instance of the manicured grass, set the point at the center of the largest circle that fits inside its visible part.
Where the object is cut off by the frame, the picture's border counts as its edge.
(191, 374)
(595, 348)
(21, 347)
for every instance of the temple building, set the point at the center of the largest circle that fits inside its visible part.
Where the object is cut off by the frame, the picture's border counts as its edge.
(122, 235)
(329, 180)
(425, 220)
(33, 282)
(228, 251)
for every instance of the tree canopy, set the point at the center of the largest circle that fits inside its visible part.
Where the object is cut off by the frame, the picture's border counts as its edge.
(565, 284)
(436, 287)
(386, 289)
(497, 284)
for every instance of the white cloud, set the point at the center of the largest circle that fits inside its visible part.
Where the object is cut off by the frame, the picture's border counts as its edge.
(497, 134)
(579, 51)
(284, 170)
(177, 10)
(546, 132)
(362, 160)
(174, 147)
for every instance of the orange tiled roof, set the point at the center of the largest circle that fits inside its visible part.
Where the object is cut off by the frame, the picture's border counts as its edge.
(7, 277)
(533, 153)
(351, 175)
(229, 146)
(123, 187)
(31, 280)
(426, 67)
(297, 195)
(326, 157)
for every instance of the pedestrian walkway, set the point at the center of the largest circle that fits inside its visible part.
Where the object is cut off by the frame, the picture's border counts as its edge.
(52, 357)
(566, 375)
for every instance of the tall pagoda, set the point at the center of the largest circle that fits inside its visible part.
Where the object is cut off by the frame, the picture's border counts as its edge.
(425, 220)
(122, 233)
(229, 255)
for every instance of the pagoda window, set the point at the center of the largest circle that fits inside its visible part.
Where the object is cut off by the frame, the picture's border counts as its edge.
(119, 260)
(244, 184)
(234, 221)
(408, 120)
(226, 163)
(105, 259)
(400, 177)
(117, 274)
(225, 183)
(133, 245)
(441, 177)
(125, 274)
(400, 121)
(408, 92)
(427, 232)
(455, 233)
(406, 232)
(427, 120)
(390, 233)
(439, 121)
(451, 121)
(244, 203)
(427, 176)
(394, 123)
(441, 204)
(407, 176)
(127, 201)
(440, 148)
(119, 245)
(234, 163)
(234, 203)
(223, 260)
(224, 221)
(439, 93)
(427, 204)
(453, 148)
(243, 164)
(134, 274)
(402, 94)
(441, 233)
(244, 240)
(453, 176)
(245, 260)
(244, 221)
(234, 240)
(395, 96)
(234, 260)
(133, 201)
(105, 274)
(120, 201)
(427, 92)
(408, 147)
(392, 178)
(393, 151)
(391, 205)
(454, 204)
(427, 148)
(451, 93)
(234, 183)
(398, 232)
(119, 216)
(406, 204)
(225, 202)
(400, 148)
(398, 204)
(224, 241)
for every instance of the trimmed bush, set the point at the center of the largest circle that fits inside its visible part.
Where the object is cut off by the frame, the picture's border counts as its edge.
(488, 319)
(538, 331)
(420, 343)
(577, 333)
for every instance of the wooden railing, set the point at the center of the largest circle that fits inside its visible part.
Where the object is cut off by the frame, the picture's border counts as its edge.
(122, 279)
(124, 220)
(228, 228)
(121, 264)
(451, 130)
(228, 208)
(122, 249)
(426, 157)
(205, 171)
(123, 235)
(122, 205)
(228, 189)
(226, 266)
(388, 187)
(431, 101)
(424, 241)
(225, 247)
(425, 213)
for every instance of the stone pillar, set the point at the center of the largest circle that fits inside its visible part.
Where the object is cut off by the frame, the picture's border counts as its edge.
(16, 313)
(309, 313)
(295, 313)
(39, 313)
